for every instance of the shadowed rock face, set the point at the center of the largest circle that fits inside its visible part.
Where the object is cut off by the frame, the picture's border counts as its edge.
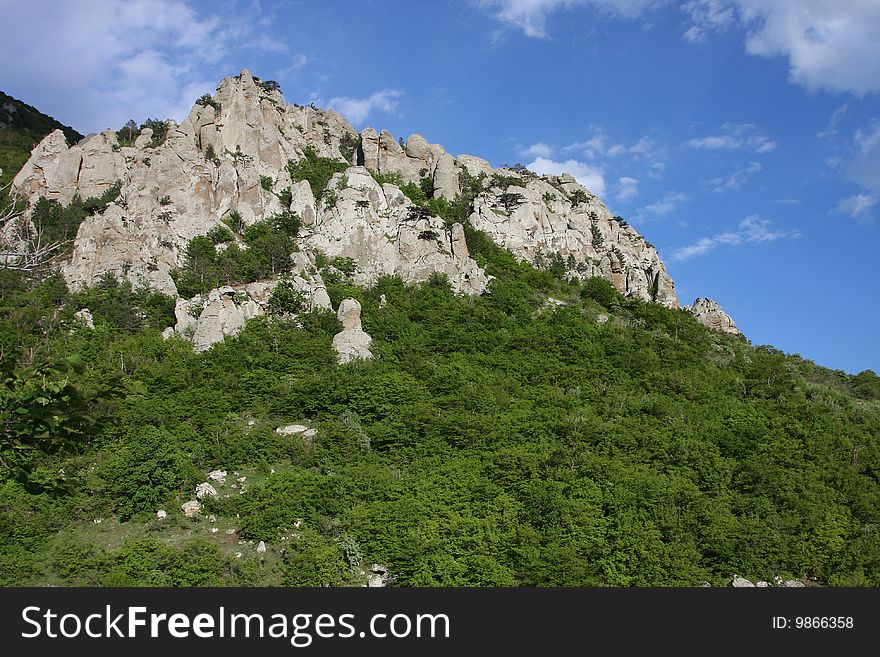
(709, 313)
(218, 161)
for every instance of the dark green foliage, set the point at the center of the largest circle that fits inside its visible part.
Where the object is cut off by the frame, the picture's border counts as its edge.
(266, 183)
(286, 299)
(97, 204)
(268, 85)
(503, 182)
(510, 201)
(44, 412)
(122, 306)
(58, 223)
(270, 243)
(389, 178)
(285, 197)
(148, 466)
(348, 145)
(578, 196)
(866, 385)
(317, 170)
(235, 222)
(220, 235)
(160, 131)
(128, 133)
(602, 292)
(208, 99)
(346, 265)
(211, 155)
(415, 193)
(492, 441)
(458, 210)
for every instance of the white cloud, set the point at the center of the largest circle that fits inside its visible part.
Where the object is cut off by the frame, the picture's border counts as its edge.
(707, 16)
(858, 206)
(297, 64)
(735, 136)
(357, 110)
(600, 144)
(669, 202)
(538, 150)
(735, 180)
(96, 63)
(627, 188)
(751, 230)
(589, 176)
(657, 169)
(830, 44)
(531, 15)
(833, 122)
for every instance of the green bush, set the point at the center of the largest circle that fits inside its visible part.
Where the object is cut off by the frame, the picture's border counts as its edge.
(602, 292)
(149, 467)
(220, 235)
(286, 299)
(316, 170)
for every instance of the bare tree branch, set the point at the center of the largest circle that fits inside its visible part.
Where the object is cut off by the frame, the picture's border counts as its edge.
(22, 247)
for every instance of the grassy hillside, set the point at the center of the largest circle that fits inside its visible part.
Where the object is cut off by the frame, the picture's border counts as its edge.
(499, 440)
(21, 128)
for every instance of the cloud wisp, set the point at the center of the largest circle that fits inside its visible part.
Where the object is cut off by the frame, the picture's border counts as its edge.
(530, 16)
(664, 206)
(858, 206)
(734, 137)
(735, 180)
(751, 230)
(591, 177)
(357, 110)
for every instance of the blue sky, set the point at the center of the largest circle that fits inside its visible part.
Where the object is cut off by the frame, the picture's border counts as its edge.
(741, 137)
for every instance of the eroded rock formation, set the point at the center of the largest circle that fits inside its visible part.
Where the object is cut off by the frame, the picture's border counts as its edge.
(231, 155)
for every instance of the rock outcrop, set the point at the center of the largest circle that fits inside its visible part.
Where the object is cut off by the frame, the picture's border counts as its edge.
(553, 218)
(231, 155)
(207, 319)
(352, 342)
(84, 317)
(710, 314)
(384, 233)
(191, 509)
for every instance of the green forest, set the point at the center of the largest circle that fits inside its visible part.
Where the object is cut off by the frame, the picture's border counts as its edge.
(547, 433)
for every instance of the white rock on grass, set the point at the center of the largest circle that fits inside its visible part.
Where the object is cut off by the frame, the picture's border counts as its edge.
(217, 475)
(205, 490)
(741, 582)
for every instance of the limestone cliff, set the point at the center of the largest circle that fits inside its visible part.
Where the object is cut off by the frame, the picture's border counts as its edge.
(231, 155)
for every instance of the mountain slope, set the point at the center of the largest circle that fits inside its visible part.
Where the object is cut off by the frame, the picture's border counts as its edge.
(538, 411)
(503, 439)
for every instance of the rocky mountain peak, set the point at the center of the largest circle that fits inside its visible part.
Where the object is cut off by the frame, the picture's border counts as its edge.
(234, 156)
